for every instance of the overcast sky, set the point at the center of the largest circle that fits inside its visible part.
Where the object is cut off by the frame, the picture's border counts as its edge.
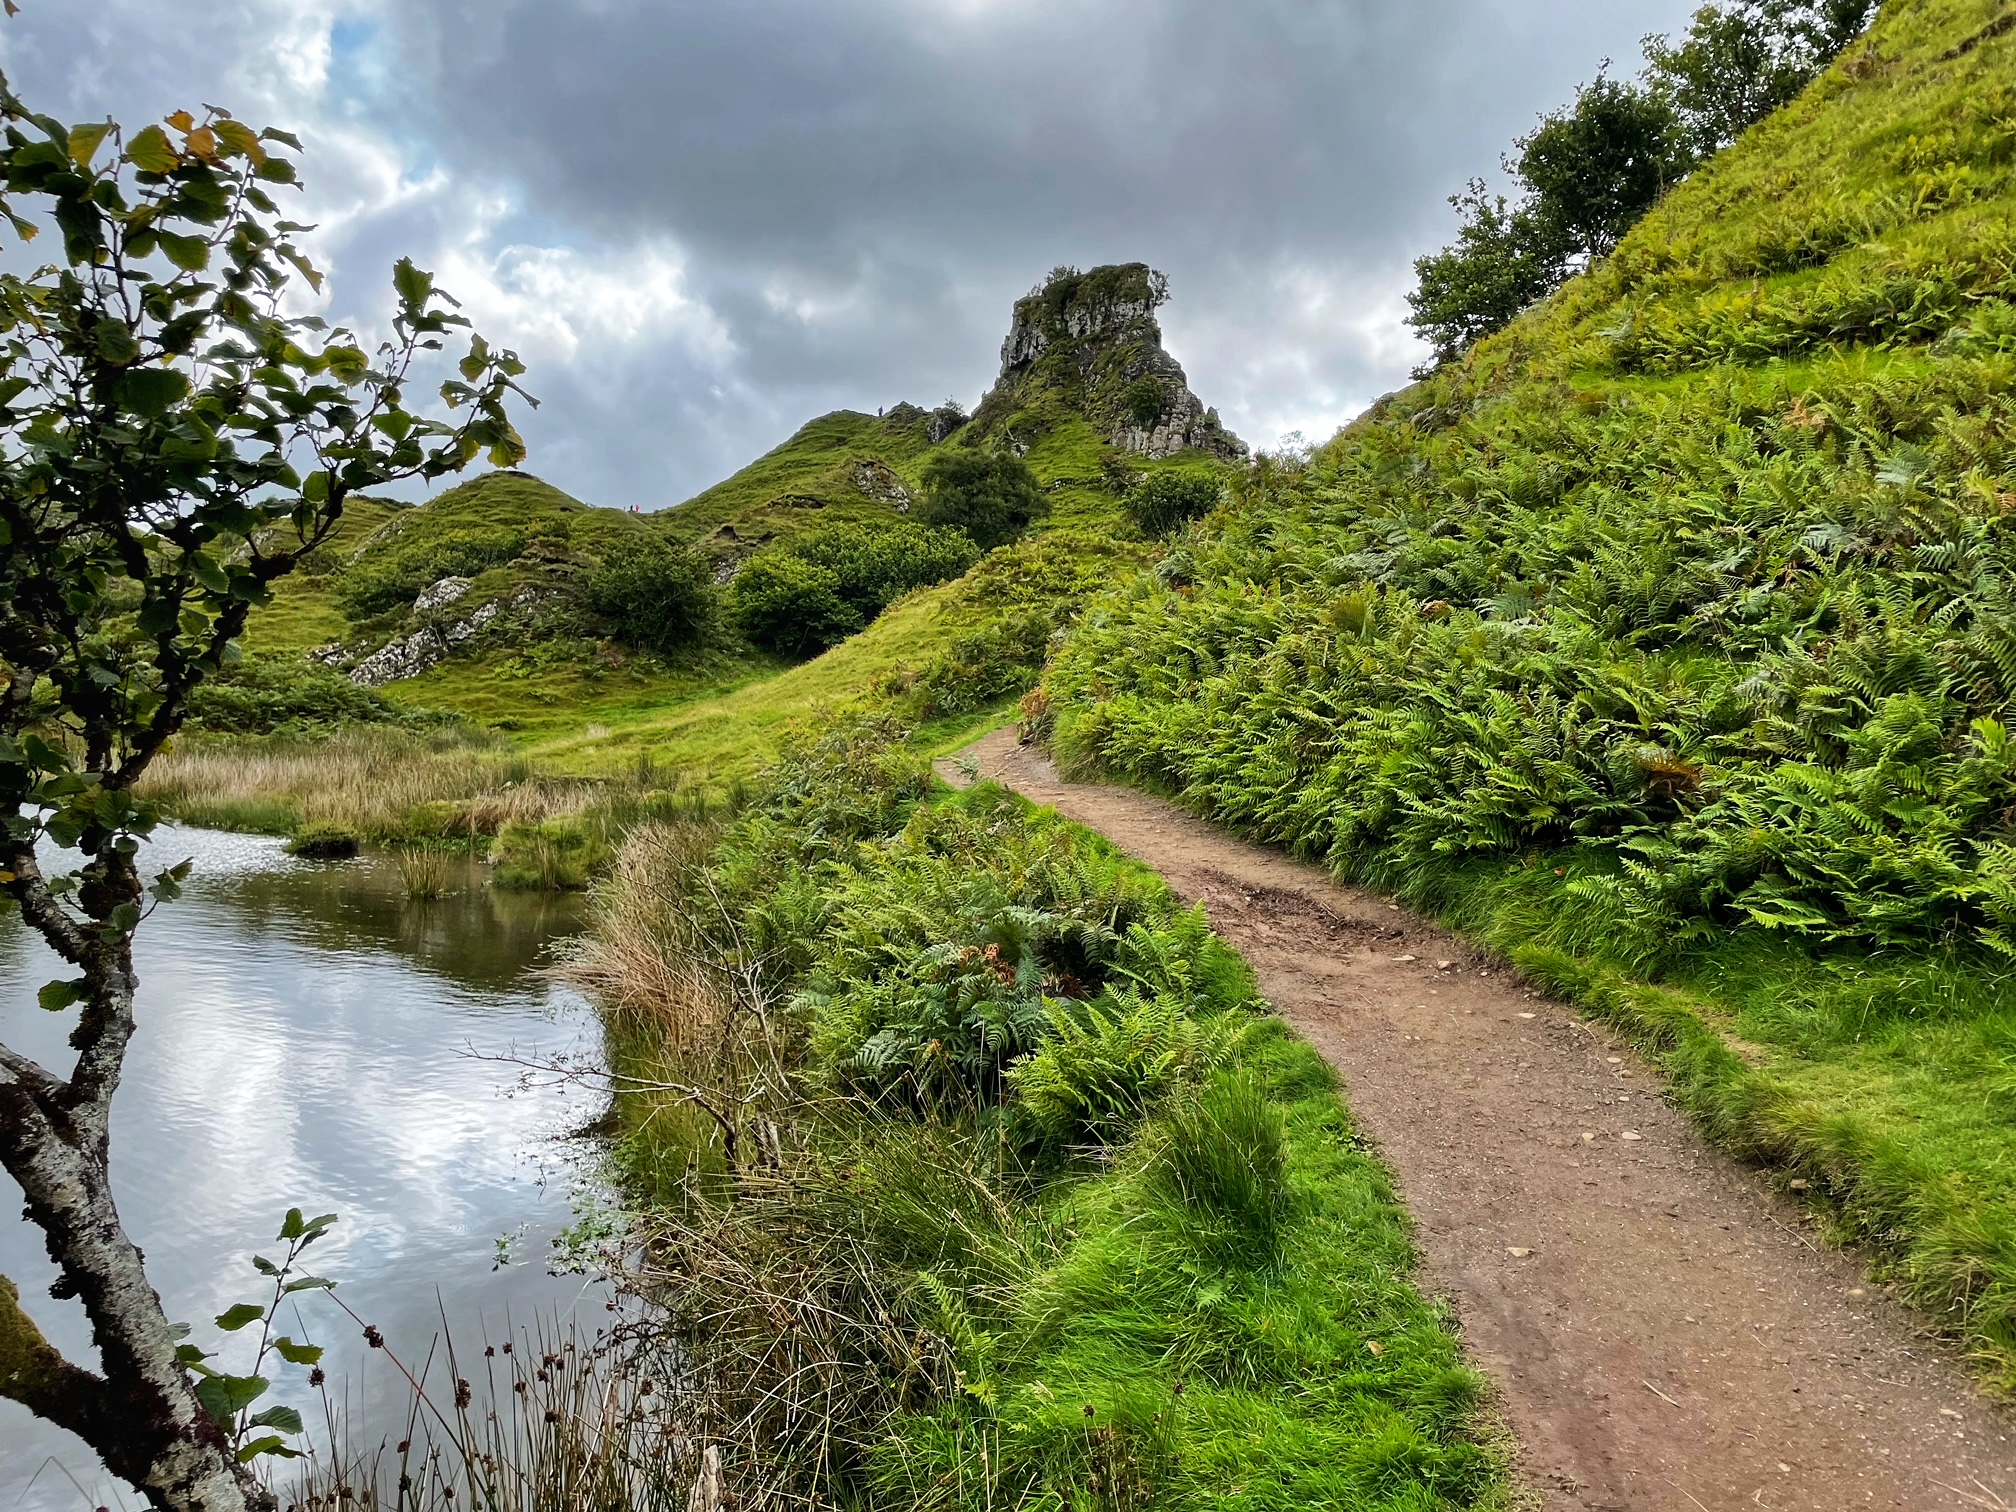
(702, 222)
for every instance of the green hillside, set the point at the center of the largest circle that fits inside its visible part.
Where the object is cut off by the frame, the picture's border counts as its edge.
(1667, 639)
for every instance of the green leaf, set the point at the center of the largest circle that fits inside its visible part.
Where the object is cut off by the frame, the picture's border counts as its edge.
(150, 151)
(412, 284)
(239, 139)
(286, 1419)
(56, 996)
(116, 342)
(189, 253)
(84, 141)
(292, 1225)
(152, 391)
(297, 1354)
(309, 1283)
(270, 1443)
(225, 1396)
(239, 1316)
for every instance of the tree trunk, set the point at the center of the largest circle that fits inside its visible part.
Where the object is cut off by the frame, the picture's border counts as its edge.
(141, 1415)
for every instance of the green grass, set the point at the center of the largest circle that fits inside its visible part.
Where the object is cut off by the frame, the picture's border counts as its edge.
(1664, 644)
(806, 482)
(1205, 1300)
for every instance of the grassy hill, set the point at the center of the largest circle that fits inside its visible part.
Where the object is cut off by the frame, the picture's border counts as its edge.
(1667, 643)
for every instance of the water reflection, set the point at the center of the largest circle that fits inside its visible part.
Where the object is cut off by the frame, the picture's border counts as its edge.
(305, 1037)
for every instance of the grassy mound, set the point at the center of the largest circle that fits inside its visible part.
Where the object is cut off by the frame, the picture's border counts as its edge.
(1668, 638)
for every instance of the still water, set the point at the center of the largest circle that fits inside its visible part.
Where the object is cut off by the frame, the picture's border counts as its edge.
(311, 1037)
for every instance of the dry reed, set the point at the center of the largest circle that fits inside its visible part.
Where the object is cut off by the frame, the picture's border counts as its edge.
(378, 783)
(545, 1422)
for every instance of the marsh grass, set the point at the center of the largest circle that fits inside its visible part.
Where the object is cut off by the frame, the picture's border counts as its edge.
(547, 1420)
(383, 784)
(422, 873)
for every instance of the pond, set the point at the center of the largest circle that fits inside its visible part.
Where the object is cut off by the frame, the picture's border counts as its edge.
(310, 1036)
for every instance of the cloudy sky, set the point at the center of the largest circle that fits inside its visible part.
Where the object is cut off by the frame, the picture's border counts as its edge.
(702, 222)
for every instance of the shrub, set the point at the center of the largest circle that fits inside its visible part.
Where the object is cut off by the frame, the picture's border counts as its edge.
(1146, 399)
(262, 695)
(791, 606)
(323, 842)
(992, 497)
(390, 573)
(653, 594)
(1159, 501)
(800, 598)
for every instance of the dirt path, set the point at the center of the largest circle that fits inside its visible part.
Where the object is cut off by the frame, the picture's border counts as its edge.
(1664, 1333)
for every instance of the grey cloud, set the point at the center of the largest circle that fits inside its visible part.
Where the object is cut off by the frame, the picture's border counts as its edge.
(855, 189)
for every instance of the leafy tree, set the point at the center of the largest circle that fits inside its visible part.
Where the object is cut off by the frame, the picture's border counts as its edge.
(171, 443)
(791, 606)
(1159, 501)
(1591, 170)
(993, 497)
(1503, 260)
(1737, 64)
(1587, 173)
(654, 595)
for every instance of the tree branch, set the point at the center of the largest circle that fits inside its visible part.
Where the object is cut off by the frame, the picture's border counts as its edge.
(34, 1374)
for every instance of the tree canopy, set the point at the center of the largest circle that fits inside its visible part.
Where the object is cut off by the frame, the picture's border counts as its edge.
(1587, 172)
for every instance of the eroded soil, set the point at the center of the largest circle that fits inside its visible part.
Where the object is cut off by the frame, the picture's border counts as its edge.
(1663, 1330)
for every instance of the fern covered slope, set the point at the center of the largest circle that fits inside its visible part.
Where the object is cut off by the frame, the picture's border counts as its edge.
(1670, 637)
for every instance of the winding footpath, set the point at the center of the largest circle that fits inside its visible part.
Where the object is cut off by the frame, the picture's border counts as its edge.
(1662, 1330)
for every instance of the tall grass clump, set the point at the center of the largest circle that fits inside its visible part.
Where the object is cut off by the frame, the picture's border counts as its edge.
(547, 1420)
(1666, 639)
(974, 1175)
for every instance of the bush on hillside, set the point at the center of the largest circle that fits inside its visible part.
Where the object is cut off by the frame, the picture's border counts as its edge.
(793, 607)
(390, 573)
(992, 497)
(1158, 502)
(1146, 399)
(654, 595)
(799, 598)
(264, 695)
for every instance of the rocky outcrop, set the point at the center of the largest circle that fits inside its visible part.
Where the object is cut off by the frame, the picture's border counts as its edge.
(943, 421)
(1089, 343)
(878, 481)
(440, 595)
(432, 641)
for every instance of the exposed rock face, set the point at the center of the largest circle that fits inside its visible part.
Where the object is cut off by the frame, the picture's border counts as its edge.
(440, 595)
(1089, 343)
(944, 420)
(878, 481)
(411, 654)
